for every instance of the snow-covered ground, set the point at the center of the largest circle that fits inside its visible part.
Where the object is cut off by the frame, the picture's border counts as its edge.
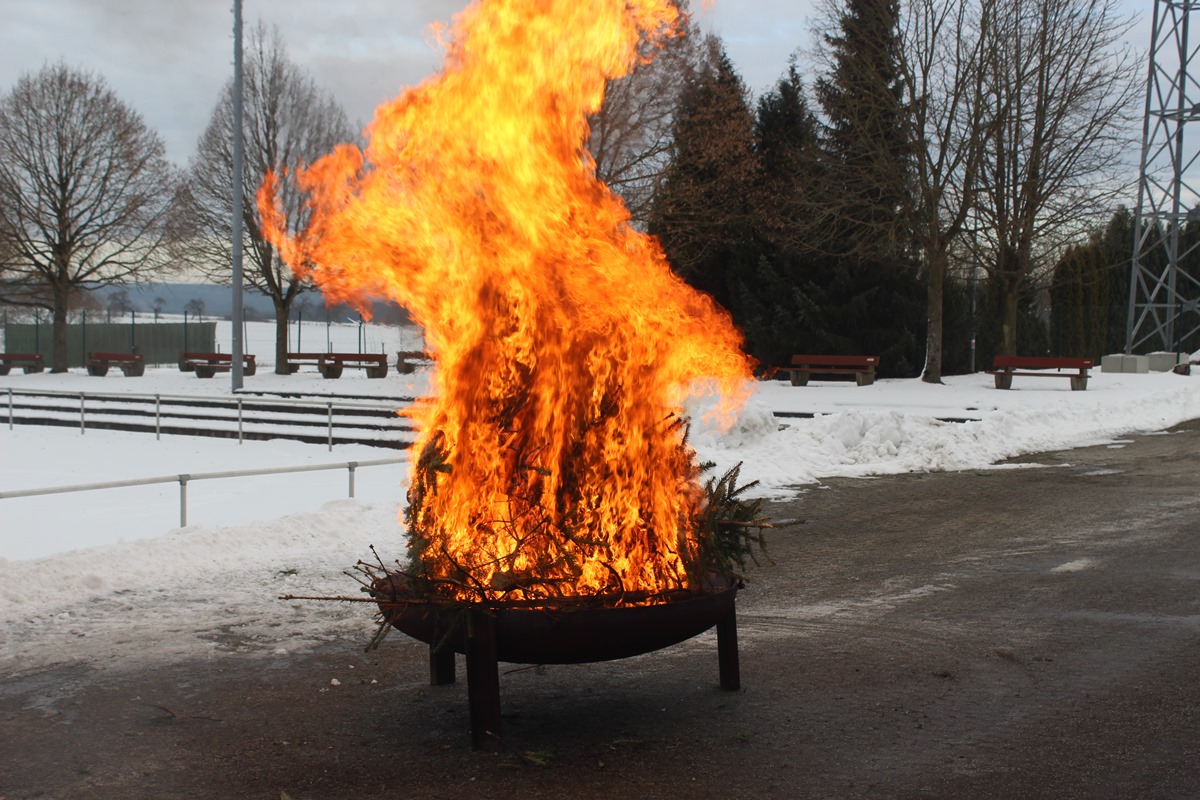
(84, 574)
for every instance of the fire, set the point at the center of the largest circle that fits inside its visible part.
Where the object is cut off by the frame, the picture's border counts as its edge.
(552, 458)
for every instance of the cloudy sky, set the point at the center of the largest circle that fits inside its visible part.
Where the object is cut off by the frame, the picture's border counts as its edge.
(169, 58)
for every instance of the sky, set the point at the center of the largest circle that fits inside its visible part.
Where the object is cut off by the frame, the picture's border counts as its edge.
(170, 60)
(131, 570)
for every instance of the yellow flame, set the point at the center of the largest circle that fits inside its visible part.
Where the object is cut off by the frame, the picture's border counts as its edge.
(563, 341)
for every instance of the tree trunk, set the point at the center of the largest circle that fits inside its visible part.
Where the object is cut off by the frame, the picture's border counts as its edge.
(281, 336)
(935, 314)
(58, 354)
(1008, 322)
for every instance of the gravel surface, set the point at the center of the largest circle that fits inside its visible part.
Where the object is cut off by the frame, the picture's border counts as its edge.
(1026, 632)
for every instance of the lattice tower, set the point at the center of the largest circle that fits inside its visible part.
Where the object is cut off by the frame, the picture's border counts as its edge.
(1164, 298)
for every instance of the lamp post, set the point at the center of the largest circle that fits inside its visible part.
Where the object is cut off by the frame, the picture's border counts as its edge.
(235, 367)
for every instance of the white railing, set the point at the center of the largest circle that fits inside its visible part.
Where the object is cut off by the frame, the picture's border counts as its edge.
(185, 479)
(241, 403)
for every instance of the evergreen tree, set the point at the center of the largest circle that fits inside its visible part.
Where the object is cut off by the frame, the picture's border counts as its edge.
(1089, 295)
(703, 213)
(763, 299)
(863, 295)
(868, 154)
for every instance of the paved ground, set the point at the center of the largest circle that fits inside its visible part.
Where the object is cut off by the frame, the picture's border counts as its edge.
(1017, 633)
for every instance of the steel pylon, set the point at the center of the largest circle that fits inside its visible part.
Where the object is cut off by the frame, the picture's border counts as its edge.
(1164, 300)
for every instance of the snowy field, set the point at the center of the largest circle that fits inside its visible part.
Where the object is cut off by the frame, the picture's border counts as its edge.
(96, 570)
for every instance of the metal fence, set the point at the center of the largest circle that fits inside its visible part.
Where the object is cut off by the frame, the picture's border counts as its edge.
(157, 342)
(326, 422)
(185, 479)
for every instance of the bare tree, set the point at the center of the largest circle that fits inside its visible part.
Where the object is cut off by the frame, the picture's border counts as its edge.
(631, 133)
(84, 193)
(119, 303)
(943, 49)
(287, 122)
(1060, 90)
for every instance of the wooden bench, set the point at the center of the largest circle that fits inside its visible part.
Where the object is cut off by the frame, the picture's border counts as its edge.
(407, 361)
(30, 362)
(1005, 367)
(330, 365)
(132, 364)
(206, 365)
(861, 367)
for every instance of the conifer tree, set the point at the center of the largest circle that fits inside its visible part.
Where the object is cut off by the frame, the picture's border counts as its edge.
(869, 156)
(702, 212)
(867, 298)
(765, 300)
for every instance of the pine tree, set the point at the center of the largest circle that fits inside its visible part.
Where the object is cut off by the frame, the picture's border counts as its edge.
(864, 295)
(868, 155)
(764, 299)
(702, 213)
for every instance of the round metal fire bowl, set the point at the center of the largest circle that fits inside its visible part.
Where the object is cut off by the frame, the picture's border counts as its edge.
(565, 634)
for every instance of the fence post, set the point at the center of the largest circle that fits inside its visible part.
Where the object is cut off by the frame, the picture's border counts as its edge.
(351, 466)
(157, 419)
(82, 410)
(239, 420)
(183, 482)
(331, 427)
(10, 409)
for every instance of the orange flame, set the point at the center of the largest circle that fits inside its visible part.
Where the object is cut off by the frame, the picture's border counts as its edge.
(564, 343)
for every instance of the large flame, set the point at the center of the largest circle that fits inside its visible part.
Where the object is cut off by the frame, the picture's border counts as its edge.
(551, 458)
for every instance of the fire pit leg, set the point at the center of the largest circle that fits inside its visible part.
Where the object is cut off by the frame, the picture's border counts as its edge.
(441, 664)
(483, 681)
(727, 651)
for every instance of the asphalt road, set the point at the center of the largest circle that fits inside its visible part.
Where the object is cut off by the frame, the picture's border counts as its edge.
(1027, 632)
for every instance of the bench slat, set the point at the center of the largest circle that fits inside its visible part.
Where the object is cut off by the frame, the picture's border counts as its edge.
(804, 365)
(132, 364)
(834, 361)
(29, 362)
(1005, 367)
(331, 364)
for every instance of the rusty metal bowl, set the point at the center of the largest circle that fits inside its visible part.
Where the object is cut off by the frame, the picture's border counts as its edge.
(566, 634)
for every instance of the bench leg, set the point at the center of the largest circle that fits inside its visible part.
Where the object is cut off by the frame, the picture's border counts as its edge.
(205, 372)
(864, 378)
(441, 665)
(331, 370)
(97, 370)
(483, 682)
(1003, 381)
(1078, 383)
(4, 369)
(727, 652)
(799, 378)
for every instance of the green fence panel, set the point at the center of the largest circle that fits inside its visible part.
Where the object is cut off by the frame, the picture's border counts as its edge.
(159, 342)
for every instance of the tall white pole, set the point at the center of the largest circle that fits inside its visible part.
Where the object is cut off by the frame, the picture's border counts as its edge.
(235, 370)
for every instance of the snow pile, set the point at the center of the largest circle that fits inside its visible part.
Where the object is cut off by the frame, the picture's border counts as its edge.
(106, 576)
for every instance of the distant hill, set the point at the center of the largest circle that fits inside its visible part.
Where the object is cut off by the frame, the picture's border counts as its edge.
(218, 302)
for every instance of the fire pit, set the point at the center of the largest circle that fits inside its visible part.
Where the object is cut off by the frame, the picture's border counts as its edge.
(560, 633)
(556, 511)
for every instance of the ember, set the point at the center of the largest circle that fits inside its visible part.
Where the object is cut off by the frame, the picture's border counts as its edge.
(552, 460)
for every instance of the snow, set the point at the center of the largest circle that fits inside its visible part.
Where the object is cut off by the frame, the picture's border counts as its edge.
(84, 575)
